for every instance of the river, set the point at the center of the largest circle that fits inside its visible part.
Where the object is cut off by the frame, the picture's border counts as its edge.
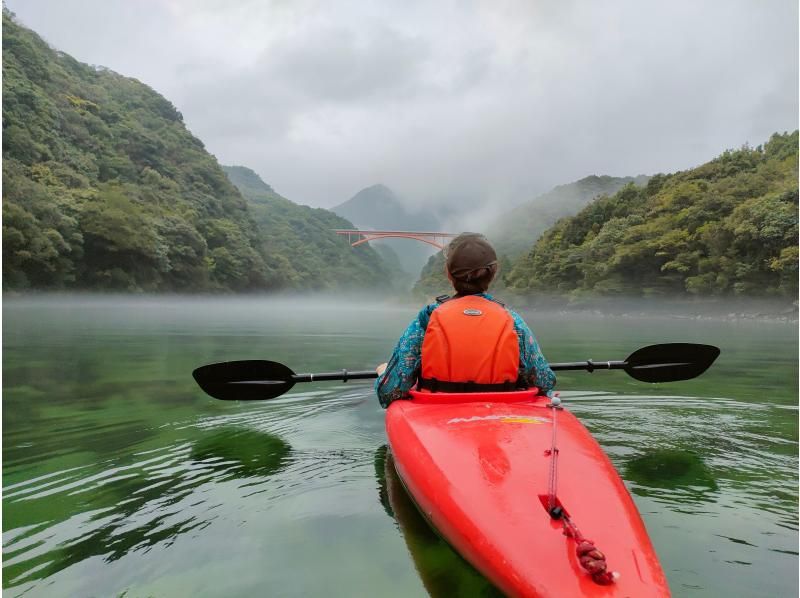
(121, 478)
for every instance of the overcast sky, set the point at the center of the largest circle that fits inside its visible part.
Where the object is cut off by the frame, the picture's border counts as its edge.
(445, 101)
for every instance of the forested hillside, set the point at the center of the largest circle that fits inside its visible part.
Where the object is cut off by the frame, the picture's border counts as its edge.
(302, 247)
(728, 227)
(516, 231)
(104, 188)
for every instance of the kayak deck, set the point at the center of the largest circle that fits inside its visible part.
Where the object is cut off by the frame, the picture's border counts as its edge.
(478, 468)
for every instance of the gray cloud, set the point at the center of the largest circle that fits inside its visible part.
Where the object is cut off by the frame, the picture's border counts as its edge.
(480, 103)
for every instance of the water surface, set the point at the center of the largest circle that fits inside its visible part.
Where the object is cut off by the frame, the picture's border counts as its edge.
(120, 477)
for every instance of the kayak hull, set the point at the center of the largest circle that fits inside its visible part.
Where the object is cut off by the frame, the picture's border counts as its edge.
(478, 468)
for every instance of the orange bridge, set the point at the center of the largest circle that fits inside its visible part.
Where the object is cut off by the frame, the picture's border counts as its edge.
(357, 237)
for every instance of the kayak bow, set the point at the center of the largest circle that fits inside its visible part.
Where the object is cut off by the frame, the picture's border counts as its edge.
(478, 466)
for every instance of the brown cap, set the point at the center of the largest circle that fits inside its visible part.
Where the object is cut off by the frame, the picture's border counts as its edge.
(469, 253)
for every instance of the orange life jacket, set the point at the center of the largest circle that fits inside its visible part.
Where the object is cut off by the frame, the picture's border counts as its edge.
(470, 345)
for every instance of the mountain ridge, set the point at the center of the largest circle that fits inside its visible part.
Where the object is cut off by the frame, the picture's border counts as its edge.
(516, 230)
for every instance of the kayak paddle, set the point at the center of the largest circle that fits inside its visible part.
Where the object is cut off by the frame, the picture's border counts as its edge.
(254, 380)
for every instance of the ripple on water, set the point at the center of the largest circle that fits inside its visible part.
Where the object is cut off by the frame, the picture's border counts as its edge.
(702, 461)
(148, 498)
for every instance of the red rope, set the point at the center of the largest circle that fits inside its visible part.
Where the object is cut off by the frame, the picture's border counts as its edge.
(590, 558)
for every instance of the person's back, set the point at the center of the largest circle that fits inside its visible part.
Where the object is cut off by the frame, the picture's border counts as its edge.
(468, 343)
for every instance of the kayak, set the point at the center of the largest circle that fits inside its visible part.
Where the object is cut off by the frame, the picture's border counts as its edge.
(522, 491)
(511, 480)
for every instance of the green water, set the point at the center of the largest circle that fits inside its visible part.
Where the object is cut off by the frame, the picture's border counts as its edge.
(120, 477)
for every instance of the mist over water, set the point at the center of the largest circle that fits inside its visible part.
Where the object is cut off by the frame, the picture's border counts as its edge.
(120, 475)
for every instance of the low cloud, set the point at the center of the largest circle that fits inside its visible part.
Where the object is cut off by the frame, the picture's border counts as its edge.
(449, 103)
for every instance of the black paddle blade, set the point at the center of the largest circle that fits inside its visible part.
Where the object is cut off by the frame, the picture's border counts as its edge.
(252, 380)
(670, 362)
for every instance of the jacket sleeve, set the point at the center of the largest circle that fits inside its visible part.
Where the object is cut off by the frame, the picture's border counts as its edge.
(404, 365)
(533, 365)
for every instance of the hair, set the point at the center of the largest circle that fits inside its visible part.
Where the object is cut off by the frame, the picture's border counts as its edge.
(478, 252)
(476, 282)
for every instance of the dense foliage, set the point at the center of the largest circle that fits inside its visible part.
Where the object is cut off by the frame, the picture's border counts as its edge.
(105, 188)
(515, 232)
(303, 250)
(728, 227)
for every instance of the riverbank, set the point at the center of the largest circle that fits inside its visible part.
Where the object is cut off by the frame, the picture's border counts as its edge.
(713, 309)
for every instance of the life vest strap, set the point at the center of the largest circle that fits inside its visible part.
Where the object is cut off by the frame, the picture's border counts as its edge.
(434, 385)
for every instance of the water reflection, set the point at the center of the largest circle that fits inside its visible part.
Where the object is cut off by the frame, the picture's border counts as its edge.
(239, 453)
(671, 473)
(442, 571)
(82, 513)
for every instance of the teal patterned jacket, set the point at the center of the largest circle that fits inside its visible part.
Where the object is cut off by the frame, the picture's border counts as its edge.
(404, 365)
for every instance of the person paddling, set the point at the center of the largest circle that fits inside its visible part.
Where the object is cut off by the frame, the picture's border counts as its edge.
(470, 342)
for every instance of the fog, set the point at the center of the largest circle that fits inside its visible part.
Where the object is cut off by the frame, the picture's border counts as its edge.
(175, 309)
(471, 106)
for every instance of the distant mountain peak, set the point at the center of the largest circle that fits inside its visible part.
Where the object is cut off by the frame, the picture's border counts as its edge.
(379, 208)
(372, 196)
(378, 188)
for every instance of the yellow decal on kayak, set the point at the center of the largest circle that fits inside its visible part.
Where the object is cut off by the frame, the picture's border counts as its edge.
(523, 420)
(503, 419)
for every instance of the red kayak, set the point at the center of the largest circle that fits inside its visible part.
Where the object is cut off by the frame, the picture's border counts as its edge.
(481, 468)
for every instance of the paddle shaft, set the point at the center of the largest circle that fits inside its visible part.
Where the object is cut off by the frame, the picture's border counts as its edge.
(589, 365)
(345, 375)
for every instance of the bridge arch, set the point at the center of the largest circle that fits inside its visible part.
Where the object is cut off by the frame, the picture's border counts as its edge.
(358, 237)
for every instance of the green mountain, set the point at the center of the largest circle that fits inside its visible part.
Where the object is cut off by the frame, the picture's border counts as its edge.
(300, 242)
(516, 231)
(378, 208)
(728, 227)
(106, 189)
